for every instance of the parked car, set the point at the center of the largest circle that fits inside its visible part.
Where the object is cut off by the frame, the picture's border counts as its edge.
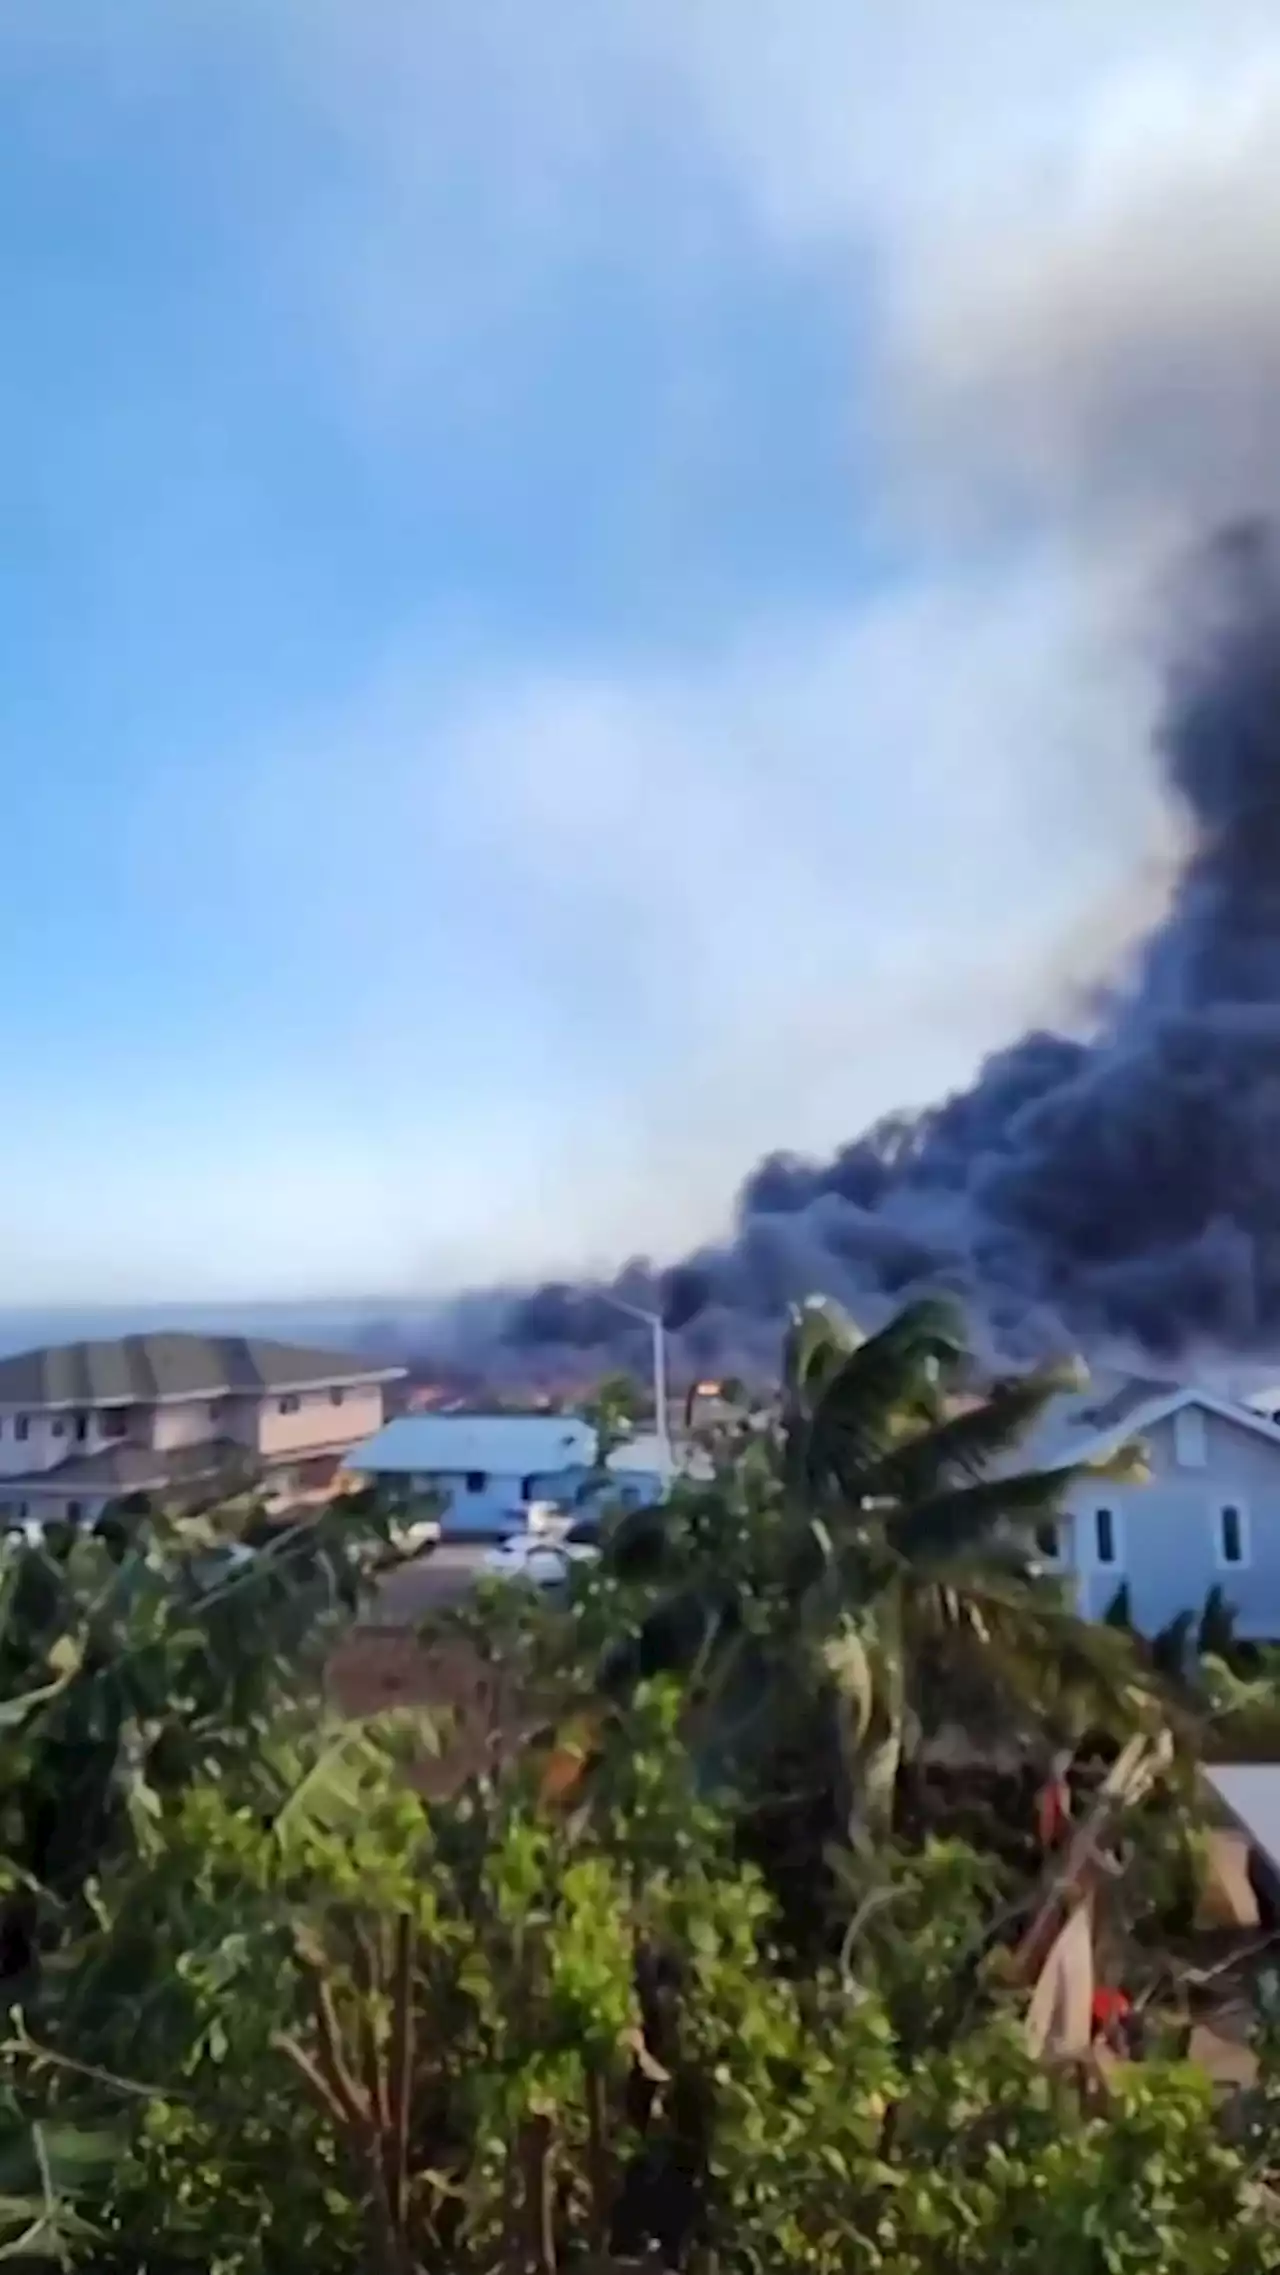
(546, 1563)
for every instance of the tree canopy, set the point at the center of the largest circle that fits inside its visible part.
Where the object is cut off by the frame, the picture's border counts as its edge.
(284, 1994)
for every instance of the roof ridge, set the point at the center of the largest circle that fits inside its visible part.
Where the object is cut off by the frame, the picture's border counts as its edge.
(175, 1362)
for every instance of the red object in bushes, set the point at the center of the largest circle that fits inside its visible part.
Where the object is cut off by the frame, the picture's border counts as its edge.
(1053, 1810)
(1110, 2007)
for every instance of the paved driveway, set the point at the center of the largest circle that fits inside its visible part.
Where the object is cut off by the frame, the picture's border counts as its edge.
(413, 1590)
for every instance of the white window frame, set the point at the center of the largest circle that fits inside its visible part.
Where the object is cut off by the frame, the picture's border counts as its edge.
(1237, 1502)
(1119, 1562)
(1191, 1438)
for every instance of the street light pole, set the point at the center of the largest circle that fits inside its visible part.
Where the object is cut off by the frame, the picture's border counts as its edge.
(660, 1393)
(653, 1321)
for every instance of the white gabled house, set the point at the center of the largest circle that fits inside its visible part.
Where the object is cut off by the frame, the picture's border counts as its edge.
(1207, 1516)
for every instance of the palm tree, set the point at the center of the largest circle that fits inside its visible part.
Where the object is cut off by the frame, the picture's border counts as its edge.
(866, 1573)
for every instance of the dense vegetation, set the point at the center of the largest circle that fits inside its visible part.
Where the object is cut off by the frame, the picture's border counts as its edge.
(727, 1964)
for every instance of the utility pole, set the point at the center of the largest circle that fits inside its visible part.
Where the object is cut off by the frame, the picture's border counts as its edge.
(653, 1321)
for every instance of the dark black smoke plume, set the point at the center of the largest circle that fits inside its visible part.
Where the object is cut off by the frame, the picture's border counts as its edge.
(1122, 1187)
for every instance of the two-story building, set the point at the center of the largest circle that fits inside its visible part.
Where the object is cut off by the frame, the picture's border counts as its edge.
(1207, 1514)
(84, 1424)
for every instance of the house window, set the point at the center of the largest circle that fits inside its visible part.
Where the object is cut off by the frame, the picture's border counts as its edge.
(291, 1403)
(21, 1426)
(57, 1428)
(477, 1479)
(527, 1489)
(114, 1423)
(74, 1512)
(81, 1428)
(1104, 1536)
(1048, 1540)
(1233, 1531)
(336, 1397)
(1190, 1448)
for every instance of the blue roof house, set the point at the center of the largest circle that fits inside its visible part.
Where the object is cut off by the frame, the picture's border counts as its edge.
(484, 1468)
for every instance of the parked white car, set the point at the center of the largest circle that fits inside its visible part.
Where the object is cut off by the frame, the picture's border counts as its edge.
(546, 1563)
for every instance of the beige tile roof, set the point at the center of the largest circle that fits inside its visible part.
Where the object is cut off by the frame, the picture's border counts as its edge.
(137, 1369)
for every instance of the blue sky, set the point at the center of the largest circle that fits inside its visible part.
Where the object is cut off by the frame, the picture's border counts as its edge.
(523, 680)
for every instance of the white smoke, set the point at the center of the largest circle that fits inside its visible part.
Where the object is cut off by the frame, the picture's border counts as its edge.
(1108, 355)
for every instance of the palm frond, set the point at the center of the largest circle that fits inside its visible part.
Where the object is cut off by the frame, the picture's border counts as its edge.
(950, 1523)
(1126, 1464)
(889, 1381)
(1042, 1653)
(819, 1337)
(966, 1444)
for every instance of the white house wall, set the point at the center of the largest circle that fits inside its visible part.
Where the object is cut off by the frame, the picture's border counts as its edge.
(1167, 1533)
(40, 1449)
(50, 1439)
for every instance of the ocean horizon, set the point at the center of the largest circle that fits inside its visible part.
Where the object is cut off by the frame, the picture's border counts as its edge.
(367, 1326)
